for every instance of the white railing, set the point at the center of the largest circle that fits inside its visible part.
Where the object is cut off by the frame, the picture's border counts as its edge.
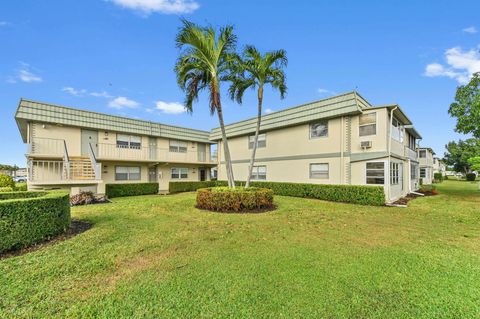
(97, 168)
(46, 171)
(47, 146)
(112, 151)
(411, 154)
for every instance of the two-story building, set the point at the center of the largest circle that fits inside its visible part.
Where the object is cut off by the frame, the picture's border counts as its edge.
(426, 159)
(439, 166)
(82, 150)
(338, 140)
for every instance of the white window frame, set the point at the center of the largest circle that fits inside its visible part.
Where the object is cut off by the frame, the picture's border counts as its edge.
(177, 146)
(319, 174)
(129, 171)
(367, 176)
(259, 173)
(413, 171)
(369, 124)
(261, 142)
(424, 172)
(132, 141)
(397, 130)
(394, 173)
(181, 173)
(324, 132)
(422, 151)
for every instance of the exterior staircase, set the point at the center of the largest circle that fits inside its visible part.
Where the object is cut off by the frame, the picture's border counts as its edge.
(79, 168)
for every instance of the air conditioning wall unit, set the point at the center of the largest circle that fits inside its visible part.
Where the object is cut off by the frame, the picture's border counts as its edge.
(366, 144)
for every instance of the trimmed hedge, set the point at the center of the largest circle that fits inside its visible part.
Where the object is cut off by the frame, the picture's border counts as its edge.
(6, 189)
(29, 217)
(355, 194)
(224, 199)
(471, 177)
(21, 187)
(134, 189)
(6, 181)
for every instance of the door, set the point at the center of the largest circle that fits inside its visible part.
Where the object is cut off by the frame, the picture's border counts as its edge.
(203, 174)
(152, 174)
(202, 152)
(152, 148)
(89, 137)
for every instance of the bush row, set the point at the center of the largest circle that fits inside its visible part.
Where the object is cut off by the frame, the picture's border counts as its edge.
(31, 217)
(355, 194)
(134, 189)
(224, 199)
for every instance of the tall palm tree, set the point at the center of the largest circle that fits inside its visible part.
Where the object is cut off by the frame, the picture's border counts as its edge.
(204, 62)
(254, 70)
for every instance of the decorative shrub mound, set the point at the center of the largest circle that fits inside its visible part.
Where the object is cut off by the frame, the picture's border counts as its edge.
(134, 189)
(21, 187)
(6, 189)
(29, 217)
(6, 181)
(471, 177)
(428, 190)
(224, 199)
(438, 177)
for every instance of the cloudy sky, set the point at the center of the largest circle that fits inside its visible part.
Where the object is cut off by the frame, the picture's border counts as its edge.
(117, 56)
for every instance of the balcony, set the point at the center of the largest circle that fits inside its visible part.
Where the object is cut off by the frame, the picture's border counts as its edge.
(151, 154)
(46, 147)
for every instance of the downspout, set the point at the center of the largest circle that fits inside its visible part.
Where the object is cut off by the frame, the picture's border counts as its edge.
(390, 151)
(342, 164)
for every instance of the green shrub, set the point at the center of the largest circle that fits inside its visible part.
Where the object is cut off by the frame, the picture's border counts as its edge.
(134, 189)
(224, 199)
(177, 187)
(6, 181)
(21, 187)
(6, 189)
(428, 189)
(437, 177)
(29, 217)
(471, 177)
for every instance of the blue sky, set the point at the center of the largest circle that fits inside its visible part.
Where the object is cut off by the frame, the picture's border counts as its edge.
(117, 56)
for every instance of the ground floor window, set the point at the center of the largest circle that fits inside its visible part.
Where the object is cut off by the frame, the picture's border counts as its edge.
(127, 173)
(413, 171)
(259, 173)
(319, 171)
(394, 173)
(375, 173)
(179, 173)
(423, 172)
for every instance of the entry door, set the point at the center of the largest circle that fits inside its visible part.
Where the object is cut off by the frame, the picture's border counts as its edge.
(152, 174)
(203, 174)
(152, 146)
(89, 137)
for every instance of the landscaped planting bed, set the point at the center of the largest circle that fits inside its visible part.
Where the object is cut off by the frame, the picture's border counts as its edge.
(29, 217)
(225, 199)
(130, 189)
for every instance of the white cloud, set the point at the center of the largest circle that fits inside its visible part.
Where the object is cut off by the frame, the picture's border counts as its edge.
(471, 29)
(101, 94)
(170, 107)
(460, 65)
(24, 74)
(325, 92)
(268, 111)
(4, 23)
(122, 102)
(74, 91)
(160, 6)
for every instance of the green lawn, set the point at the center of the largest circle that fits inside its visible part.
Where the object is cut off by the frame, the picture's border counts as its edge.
(157, 256)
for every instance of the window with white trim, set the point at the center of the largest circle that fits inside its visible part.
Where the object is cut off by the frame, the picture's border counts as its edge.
(413, 171)
(129, 141)
(394, 173)
(319, 170)
(179, 173)
(178, 146)
(423, 172)
(261, 142)
(319, 129)
(411, 142)
(397, 130)
(259, 173)
(367, 124)
(127, 173)
(422, 153)
(375, 173)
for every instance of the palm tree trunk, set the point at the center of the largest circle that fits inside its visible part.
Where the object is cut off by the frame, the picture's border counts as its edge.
(255, 142)
(226, 150)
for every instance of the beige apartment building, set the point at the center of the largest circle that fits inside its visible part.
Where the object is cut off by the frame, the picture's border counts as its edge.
(426, 159)
(81, 150)
(439, 166)
(338, 140)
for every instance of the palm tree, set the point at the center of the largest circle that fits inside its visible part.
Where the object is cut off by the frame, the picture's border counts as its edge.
(254, 70)
(204, 62)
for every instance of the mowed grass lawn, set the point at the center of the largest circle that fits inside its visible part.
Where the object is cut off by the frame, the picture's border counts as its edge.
(159, 257)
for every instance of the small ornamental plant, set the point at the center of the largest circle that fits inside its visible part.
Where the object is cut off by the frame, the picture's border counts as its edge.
(237, 200)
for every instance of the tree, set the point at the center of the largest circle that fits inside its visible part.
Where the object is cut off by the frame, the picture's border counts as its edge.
(205, 61)
(254, 70)
(474, 163)
(466, 107)
(458, 154)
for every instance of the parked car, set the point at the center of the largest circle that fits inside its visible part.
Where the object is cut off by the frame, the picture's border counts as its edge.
(20, 179)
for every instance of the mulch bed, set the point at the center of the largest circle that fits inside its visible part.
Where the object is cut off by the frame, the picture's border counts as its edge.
(76, 227)
(411, 196)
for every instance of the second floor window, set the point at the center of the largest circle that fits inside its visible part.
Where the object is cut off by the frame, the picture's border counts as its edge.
(319, 129)
(397, 130)
(178, 146)
(262, 141)
(422, 153)
(259, 173)
(129, 141)
(367, 124)
(411, 142)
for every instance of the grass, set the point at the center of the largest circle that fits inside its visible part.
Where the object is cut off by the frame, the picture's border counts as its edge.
(157, 256)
